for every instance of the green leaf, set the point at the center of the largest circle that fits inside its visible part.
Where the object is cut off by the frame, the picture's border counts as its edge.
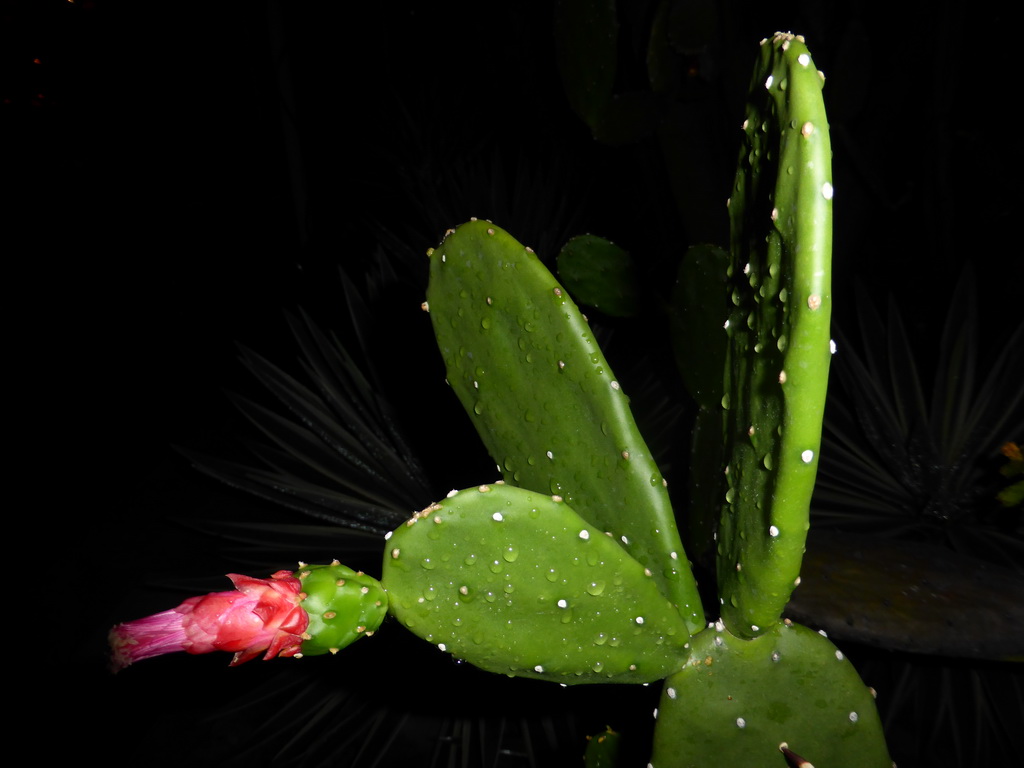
(600, 274)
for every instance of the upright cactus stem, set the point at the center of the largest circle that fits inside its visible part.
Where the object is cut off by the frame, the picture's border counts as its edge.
(779, 342)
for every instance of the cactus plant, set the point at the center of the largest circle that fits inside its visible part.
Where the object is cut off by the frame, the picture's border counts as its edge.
(570, 568)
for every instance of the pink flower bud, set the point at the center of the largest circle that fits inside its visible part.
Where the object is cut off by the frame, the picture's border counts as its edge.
(260, 615)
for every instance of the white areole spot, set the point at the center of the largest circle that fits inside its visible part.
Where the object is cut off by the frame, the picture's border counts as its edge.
(388, 535)
(741, 722)
(639, 619)
(442, 646)
(827, 191)
(773, 531)
(671, 693)
(804, 59)
(814, 302)
(550, 455)
(538, 668)
(832, 346)
(807, 129)
(563, 604)
(615, 385)
(853, 717)
(497, 517)
(782, 377)
(769, 81)
(673, 555)
(584, 534)
(807, 456)
(839, 655)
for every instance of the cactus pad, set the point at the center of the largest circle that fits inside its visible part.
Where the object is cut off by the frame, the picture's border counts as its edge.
(779, 344)
(737, 701)
(525, 365)
(517, 583)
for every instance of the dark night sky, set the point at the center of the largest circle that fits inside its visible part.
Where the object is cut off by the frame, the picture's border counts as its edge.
(157, 155)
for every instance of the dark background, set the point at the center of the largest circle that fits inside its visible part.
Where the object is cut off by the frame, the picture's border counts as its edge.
(178, 174)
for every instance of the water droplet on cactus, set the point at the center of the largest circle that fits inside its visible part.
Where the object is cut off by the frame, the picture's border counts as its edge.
(767, 461)
(495, 567)
(428, 564)
(595, 588)
(601, 638)
(551, 575)
(598, 666)
(490, 597)
(511, 554)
